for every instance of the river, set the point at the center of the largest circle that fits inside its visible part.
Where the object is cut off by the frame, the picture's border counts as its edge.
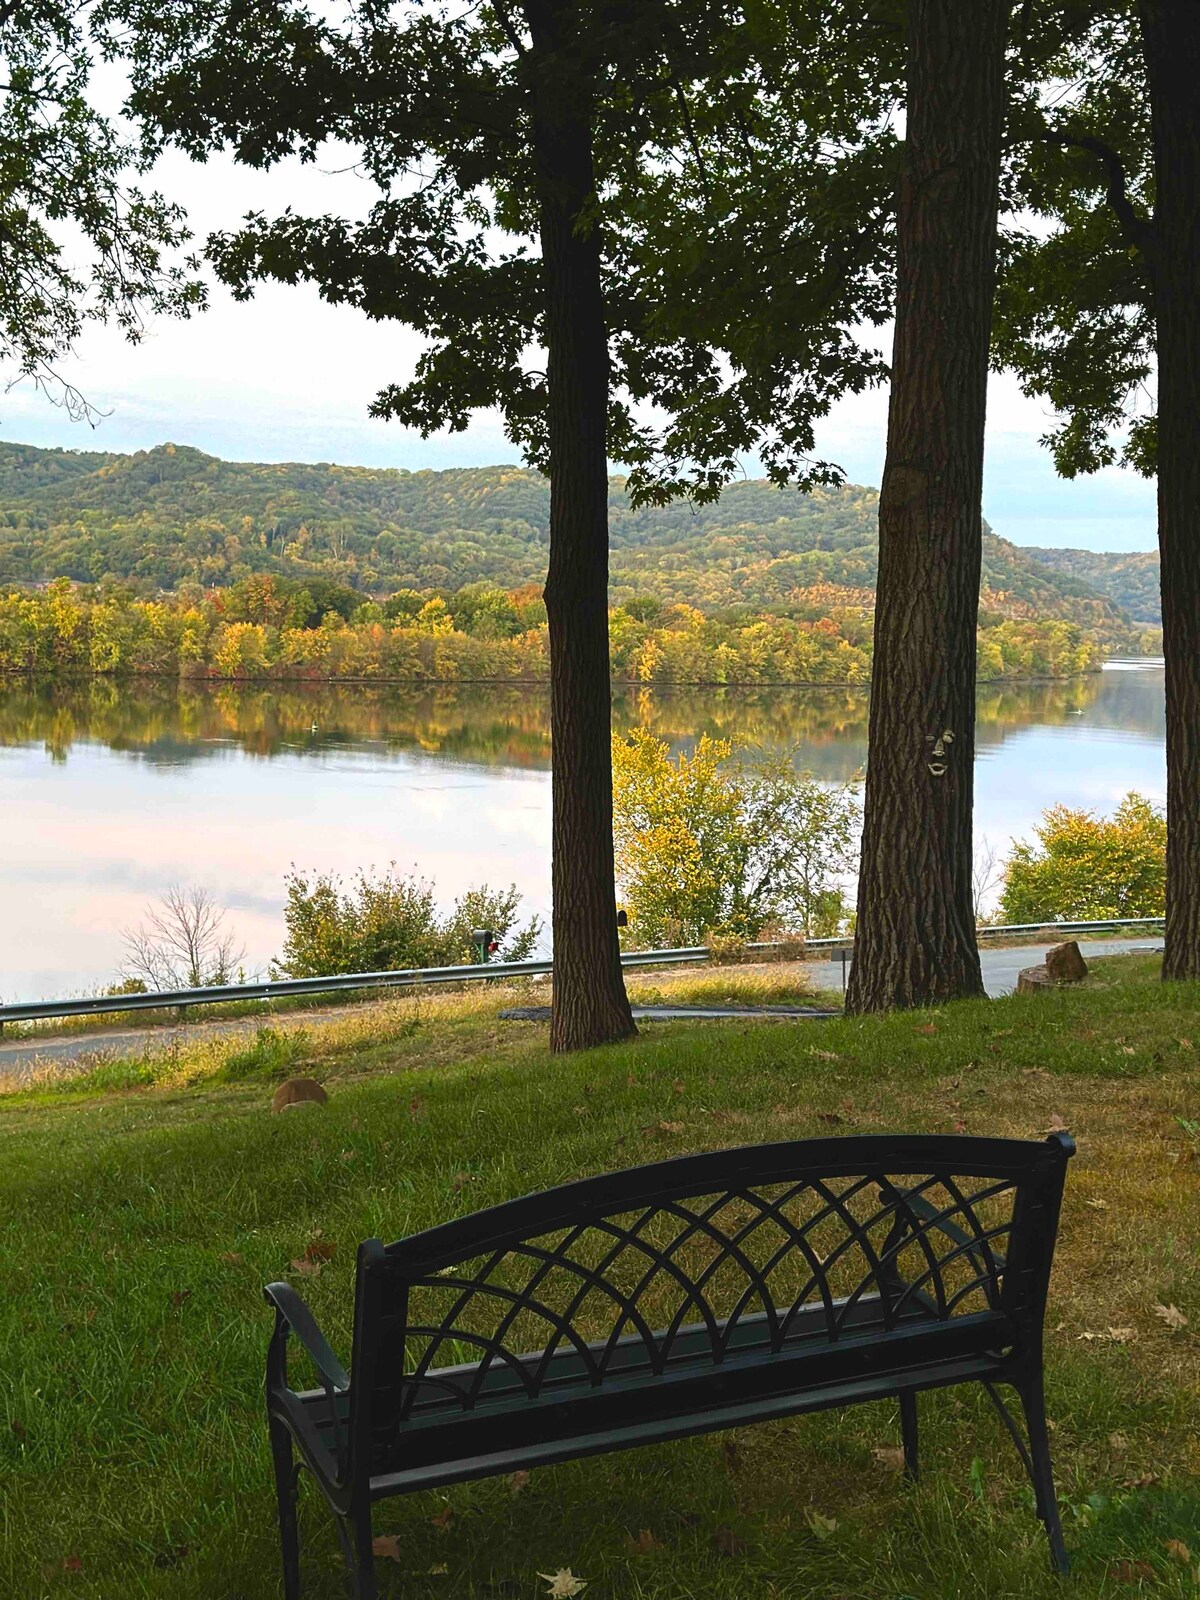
(111, 791)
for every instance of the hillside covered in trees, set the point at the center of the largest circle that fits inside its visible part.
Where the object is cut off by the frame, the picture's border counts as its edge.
(174, 515)
(1130, 578)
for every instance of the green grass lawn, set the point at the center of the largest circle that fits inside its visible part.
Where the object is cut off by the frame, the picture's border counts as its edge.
(137, 1225)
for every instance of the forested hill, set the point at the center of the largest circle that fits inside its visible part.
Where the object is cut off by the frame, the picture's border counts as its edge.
(1130, 579)
(173, 513)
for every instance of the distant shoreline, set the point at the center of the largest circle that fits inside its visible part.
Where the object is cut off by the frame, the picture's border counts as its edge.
(213, 680)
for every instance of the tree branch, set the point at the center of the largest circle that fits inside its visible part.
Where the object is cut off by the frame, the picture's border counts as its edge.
(1137, 229)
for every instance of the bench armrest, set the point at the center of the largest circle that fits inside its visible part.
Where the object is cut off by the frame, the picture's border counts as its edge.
(292, 1314)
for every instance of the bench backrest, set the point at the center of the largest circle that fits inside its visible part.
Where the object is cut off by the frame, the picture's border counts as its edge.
(706, 1257)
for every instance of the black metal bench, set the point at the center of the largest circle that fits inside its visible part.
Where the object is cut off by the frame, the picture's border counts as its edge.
(701, 1293)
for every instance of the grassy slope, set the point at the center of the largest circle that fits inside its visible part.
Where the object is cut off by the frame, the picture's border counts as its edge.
(137, 1228)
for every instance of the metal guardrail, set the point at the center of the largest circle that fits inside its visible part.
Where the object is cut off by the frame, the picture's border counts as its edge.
(411, 977)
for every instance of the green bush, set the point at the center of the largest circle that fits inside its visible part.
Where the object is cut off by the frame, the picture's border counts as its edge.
(1089, 868)
(391, 921)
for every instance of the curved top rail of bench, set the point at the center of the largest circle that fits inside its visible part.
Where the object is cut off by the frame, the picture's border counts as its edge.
(680, 1177)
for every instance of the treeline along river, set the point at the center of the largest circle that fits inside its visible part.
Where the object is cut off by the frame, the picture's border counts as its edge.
(110, 791)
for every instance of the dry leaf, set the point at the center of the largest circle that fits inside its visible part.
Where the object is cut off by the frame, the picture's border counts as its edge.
(1177, 1551)
(563, 1583)
(517, 1481)
(926, 1028)
(1118, 1442)
(320, 1250)
(631, 1082)
(831, 1117)
(643, 1542)
(1172, 1316)
(1055, 1125)
(671, 1127)
(1097, 1205)
(1122, 1335)
(72, 1564)
(461, 1179)
(1186, 1044)
(307, 1269)
(1132, 1571)
(231, 1258)
(825, 1055)
(387, 1545)
(727, 1542)
(678, 1086)
(889, 1456)
(821, 1526)
(1147, 1480)
(443, 1518)
(439, 1571)
(960, 1126)
(180, 1296)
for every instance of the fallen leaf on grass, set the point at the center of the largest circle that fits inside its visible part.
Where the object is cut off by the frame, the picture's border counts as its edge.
(1132, 1571)
(231, 1258)
(671, 1127)
(461, 1179)
(926, 1028)
(1118, 1442)
(889, 1456)
(72, 1564)
(1097, 1205)
(821, 1526)
(306, 1268)
(320, 1250)
(825, 1055)
(517, 1481)
(678, 1086)
(443, 1518)
(727, 1542)
(1186, 1044)
(563, 1583)
(643, 1542)
(1177, 1551)
(387, 1546)
(181, 1296)
(960, 1126)
(1055, 1125)
(831, 1117)
(1112, 1335)
(1172, 1316)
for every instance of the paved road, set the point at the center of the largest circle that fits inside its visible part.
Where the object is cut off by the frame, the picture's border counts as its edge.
(1000, 968)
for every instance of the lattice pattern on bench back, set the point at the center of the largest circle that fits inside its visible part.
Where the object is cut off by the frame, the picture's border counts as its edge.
(700, 1261)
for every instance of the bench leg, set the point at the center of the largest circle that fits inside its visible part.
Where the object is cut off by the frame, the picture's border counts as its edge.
(364, 1556)
(908, 1431)
(285, 1494)
(1040, 1472)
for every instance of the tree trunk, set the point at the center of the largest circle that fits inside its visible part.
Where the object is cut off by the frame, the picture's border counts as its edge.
(590, 1003)
(1171, 43)
(915, 934)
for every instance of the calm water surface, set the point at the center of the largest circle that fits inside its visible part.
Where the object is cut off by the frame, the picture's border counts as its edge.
(111, 792)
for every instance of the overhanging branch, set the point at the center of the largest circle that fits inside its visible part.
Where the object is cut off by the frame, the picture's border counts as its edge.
(1137, 228)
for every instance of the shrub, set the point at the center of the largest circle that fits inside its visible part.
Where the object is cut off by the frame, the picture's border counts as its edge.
(708, 847)
(391, 921)
(1089, 868)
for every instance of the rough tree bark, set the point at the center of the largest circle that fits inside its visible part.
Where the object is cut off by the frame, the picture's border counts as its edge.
(590, 1004)
(915, 935)
(1171, 45)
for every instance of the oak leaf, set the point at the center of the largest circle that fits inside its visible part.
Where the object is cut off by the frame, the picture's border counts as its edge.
(563, 1584)
(320, 1250)
(517, 1481)
(1172, 1316)
(306, 1268)
(443, 1518)
(387, 1546)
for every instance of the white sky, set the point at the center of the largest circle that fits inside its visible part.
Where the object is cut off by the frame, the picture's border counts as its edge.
(286, 377)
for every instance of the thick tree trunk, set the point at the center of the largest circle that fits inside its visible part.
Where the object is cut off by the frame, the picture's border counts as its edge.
(915, 935)
(1171, 42)
(590, 1003)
